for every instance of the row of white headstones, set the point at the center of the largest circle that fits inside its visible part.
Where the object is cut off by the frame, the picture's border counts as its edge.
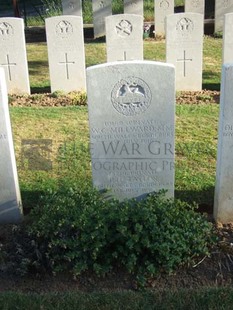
(124, 41)
(103, 8)
(131, 112)
(131, 107)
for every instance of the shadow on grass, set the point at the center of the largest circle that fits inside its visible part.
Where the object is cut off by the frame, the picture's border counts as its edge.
(35, 67)
(30, 199)
(96, 41)
(204, 198)
(211, 86)
(211, 80)
(40, 89)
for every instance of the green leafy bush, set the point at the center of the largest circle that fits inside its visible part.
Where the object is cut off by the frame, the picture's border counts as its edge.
(78, 230)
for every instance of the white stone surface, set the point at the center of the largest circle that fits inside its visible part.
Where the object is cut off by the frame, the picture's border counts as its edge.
(162, 8)
(131, 108)
(13, 55)
(184, 49)
(101, 9)
(223, 202)
(10, 200)
(222, 7)
(133, 7)
(195, 6)
(227, 50)
(66, 53)
(72, 7)
(124, 37)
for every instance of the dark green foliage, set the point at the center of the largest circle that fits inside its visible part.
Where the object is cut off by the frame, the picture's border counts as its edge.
(78, 230)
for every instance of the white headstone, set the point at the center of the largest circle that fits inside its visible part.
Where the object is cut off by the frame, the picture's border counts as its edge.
(66, 53)
(13, 55)
(124, 37)
(195, 6)
(222, 7)
(72, 7)
(223, 202)
(101, 9)
(131, 113)
(162, 8)
(227, 55)
(184, 49)
(133, 7)
(10, 200)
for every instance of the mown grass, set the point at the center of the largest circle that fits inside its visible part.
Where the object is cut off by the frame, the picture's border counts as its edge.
(206, 299)
(196, 138)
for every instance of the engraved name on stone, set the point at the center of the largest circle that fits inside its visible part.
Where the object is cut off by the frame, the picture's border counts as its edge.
(3, 136)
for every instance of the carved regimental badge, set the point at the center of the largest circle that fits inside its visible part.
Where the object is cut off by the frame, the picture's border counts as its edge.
(124, 28)
(185, 26)
(225, 3)
(164, 4)
(64, 28)
(71, 5)
(195, 3)
(6, 30)
(131, 96)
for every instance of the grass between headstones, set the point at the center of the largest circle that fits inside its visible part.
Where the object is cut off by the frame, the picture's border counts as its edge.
(96, 54)
(67, 128)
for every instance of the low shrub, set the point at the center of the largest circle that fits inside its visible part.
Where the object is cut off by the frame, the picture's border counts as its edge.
(78, 230)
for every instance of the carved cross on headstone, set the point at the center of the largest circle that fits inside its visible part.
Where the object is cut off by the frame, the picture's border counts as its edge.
(8, 64)
(184, 62)
(67, 63)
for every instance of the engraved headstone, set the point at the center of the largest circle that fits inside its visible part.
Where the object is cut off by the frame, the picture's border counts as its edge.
(72, 7)
(195, 6)
(133, 7)
(162, 8)
(131, 113)
(13, 55)
(124, 37)
(227, 55)
(66, 53)
(222, 7)
(10, 200)
(184, 48)
(223, 202)
(101, 9)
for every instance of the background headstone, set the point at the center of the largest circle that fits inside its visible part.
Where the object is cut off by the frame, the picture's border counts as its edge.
(101, 9)
(223, 202)
(222, 7)
(195, 6)
(13, 55)
(72, 7)
(131, 113)
(66, 53)
(133, 7)
(184, 49)
(10, 200)
(162, 8)
(124, 37)
(227, 56)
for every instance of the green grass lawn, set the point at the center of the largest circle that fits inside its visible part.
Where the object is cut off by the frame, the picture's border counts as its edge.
(196, 138)
(67, 129)
(207, 299)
